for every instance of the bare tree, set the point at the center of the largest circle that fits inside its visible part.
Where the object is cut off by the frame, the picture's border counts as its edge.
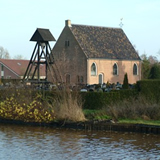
(4, 54)
(144, 56)
(158, 53)
(19, 56)
(152, 59)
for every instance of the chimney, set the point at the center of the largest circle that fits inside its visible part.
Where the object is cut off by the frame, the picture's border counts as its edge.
(68, 23)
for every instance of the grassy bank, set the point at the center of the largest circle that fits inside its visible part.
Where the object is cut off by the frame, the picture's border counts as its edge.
(140, 121)
(139, 110)
(100, 115)
(33, 106)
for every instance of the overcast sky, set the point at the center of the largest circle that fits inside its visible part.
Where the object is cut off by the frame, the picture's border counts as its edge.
(20, 18)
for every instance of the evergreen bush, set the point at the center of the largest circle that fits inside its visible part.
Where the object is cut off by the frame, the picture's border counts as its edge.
(125, 82)
(155, 72)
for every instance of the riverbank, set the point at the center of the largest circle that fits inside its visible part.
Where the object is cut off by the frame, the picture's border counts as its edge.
(92, 126)
(65, 110)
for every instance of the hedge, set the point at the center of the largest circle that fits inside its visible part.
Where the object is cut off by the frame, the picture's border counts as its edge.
(98, 100)
(90, 100)
(150, 89)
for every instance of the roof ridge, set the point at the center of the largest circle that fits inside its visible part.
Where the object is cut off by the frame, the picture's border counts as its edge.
(96, 26)
(14, 60)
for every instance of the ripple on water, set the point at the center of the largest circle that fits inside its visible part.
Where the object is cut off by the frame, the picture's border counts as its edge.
(24, 142)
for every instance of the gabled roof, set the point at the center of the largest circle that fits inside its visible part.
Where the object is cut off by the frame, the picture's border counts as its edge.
(18, 66)
(103, 42)
(42, 35)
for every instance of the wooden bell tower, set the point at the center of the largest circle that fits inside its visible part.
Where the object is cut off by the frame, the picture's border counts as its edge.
(41, 59)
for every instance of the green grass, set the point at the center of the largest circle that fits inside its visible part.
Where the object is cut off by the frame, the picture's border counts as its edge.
(90, 111)
(95, 114)
(100, 115)
(140, 121)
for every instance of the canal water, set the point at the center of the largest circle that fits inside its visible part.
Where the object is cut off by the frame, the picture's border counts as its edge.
(44, 143)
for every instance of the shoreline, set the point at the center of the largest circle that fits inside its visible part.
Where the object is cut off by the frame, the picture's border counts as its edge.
(92, 126)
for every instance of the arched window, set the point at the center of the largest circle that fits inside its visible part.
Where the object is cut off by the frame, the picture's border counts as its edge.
(100, 78)
(115, 69)
(93, 69)
(135, 69)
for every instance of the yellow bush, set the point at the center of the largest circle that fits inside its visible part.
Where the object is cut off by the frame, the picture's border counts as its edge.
(34, 111)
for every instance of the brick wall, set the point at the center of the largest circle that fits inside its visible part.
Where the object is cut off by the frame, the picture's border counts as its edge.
(8, 74)
(69, 59)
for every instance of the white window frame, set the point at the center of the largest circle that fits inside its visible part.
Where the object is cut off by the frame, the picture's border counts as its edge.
(94, 73)
(102, 78)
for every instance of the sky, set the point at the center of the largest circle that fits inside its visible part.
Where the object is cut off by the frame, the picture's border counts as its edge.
(19, 19)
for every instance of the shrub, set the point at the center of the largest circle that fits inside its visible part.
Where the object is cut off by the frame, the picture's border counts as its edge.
(93, 100)
(40, 106)
(139, 108)
(150, 89)
(27, 109)
(97, 100)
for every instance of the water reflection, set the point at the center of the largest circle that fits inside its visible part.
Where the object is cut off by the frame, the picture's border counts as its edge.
(25, 142)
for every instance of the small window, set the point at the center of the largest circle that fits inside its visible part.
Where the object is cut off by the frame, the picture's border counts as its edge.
(2, 67)
(19, 64)
(135, 69)
(115, 69)
(80, 79)
(93, 70)
(8, 77)
(67, 43)
(68, 79)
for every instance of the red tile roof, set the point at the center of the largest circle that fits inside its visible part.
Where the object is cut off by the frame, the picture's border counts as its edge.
(17, 66)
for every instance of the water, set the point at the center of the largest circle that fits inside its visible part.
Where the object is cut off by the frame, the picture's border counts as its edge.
(43, 143)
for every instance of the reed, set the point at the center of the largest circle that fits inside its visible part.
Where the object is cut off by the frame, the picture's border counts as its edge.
(68, 106)
(139, 108)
